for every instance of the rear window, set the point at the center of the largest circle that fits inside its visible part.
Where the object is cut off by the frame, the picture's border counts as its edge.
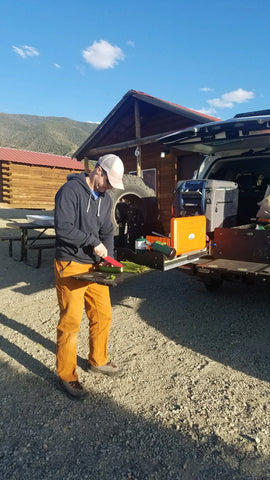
(253, 171)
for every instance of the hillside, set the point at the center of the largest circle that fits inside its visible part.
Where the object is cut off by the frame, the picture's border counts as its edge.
(58, 135)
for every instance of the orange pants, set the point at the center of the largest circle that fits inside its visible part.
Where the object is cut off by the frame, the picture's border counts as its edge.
(73, 296)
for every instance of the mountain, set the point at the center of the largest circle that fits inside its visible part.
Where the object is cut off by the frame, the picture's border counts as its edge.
(57, 135)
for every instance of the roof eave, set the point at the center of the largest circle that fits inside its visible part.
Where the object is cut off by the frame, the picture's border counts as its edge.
(192, 114)
(80, 153)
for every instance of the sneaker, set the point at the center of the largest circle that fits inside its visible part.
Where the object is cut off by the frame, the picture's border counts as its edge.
(109, 369)
(75, 389)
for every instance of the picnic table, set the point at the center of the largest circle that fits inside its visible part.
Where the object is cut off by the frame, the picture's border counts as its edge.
(37, 240)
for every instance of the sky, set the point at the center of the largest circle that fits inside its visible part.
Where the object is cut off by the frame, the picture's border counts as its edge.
(77, 59)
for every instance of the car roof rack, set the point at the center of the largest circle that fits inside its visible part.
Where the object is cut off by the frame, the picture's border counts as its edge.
(257, 113)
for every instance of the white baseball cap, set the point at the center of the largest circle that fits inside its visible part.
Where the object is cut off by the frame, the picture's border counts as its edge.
(114, 168)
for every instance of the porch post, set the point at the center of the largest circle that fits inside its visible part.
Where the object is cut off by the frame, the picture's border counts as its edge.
(138, 152)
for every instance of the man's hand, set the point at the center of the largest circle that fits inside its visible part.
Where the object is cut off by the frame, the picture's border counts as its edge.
(101, 250)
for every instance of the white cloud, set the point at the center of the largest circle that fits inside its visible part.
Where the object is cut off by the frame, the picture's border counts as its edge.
(31, 51)
(206, 89)
(227, 100)
(131, 43)
(19, 51)
(25, 51)
(102, 55)
(208, 111)
(220, 103)
(57, 65)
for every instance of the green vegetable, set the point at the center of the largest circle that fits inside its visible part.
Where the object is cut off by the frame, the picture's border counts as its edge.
(132, 267)
(111, 277)
(110, 269)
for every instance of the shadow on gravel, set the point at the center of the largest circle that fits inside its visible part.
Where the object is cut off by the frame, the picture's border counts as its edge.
(21, 356)
(230, 326)
(23, 278)
(17, 275)
(48, 436)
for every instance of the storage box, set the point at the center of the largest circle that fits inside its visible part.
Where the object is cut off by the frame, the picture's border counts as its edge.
(155, 238)
(188, 234)
(216, 199)
(244, 244)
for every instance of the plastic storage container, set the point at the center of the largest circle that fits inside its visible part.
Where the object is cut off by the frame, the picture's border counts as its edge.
(216, 199)
(188, 234)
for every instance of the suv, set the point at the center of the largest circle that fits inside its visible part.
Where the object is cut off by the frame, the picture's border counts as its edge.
(229, 188)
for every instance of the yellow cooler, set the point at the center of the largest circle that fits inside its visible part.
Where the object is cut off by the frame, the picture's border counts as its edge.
(188, 233)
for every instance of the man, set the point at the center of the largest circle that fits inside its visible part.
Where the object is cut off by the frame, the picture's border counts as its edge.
(84, 236)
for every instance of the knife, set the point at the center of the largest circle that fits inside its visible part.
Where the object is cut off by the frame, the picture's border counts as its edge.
(113, 262)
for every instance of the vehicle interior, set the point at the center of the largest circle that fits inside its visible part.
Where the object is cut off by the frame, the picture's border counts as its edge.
(252, 174)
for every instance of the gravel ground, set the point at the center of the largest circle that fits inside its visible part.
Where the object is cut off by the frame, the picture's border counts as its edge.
(194, 403)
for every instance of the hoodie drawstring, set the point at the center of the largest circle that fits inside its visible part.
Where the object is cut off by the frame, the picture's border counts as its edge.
(99, 202)
(88, 205)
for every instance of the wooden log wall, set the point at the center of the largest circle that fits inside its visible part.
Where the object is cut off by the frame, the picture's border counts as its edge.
(166, 181)
(1, 184)
(31, 186)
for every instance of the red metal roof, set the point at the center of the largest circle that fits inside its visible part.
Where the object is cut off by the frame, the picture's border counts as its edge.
(36, 158)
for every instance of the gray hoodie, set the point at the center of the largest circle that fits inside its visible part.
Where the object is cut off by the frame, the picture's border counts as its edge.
(81, 221)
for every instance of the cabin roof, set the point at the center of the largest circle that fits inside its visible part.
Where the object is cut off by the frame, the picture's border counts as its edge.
(37, 158)
(156, 117)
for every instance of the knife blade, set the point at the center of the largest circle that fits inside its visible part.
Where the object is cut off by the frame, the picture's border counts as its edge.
(113, 262)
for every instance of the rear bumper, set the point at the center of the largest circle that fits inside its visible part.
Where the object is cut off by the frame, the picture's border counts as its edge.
(230, 270)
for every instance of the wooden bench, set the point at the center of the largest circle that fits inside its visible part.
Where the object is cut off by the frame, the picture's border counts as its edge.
(13, 238)
(10, 239)
(39, 246)
(37, 240)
